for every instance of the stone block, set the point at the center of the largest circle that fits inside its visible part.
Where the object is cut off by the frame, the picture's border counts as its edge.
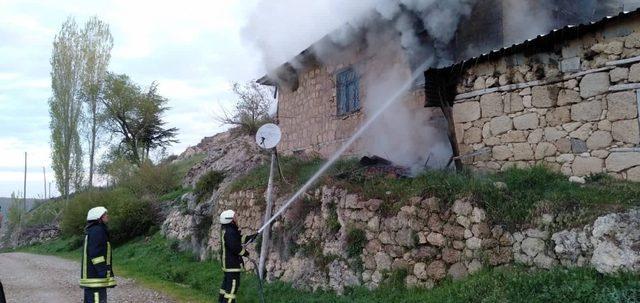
(472, 135)
(502, 153)
(619, 74)
(522, 151)
(626, 131)
(535, 136)
(552, 134)
(568, 96)
(514, 136)
(583, 132)
(586, 111)
(545, 149)
(599, 139)
(584, 166)
(614, 48)
(634, 174)
(527, 121)
(491, 105)
(619, 161)
(513, 103)
(632, 41)
(578, 146)
(466, 111)
(563, 145)
(545, 96)
(570, 65)
(594, 84)
(634, 73)
(558, 116)
(622, 106)
(501, 125)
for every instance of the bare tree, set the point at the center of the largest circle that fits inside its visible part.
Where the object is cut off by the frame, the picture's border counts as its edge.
(251, 109)
(96, 48)
(65, 108)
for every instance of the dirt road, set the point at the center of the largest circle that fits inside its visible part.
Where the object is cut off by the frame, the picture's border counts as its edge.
(32, 278)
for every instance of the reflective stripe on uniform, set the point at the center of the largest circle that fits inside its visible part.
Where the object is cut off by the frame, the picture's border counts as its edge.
(98, 260)
(224, 253)
(96, 297)
(108, 253)
(84, 258)
(98, 282)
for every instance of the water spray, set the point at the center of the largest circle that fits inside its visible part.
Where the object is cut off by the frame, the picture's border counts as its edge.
(399, 93)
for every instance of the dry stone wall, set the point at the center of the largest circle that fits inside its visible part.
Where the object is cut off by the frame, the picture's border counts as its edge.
(334, 239)
(574, 110)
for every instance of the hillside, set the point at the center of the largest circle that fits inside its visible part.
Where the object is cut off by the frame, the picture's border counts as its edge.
(371, 234)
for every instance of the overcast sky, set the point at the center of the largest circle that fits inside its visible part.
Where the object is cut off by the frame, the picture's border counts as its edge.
(194, 49)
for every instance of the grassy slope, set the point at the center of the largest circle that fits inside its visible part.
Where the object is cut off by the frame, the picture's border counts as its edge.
(158, 264)
(529, 192)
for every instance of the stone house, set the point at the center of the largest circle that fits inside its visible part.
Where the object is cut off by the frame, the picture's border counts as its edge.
(568, 100)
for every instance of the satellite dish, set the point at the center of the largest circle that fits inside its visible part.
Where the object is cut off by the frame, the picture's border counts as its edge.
(268, 136)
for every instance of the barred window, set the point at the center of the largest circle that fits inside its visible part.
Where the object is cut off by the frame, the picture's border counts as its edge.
(348, 92)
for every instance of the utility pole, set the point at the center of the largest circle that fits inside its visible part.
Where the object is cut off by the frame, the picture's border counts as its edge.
(44, 174)
(24, 202)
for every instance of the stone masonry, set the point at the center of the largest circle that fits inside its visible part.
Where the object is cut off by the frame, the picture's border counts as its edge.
(578, 119)
(427, 238)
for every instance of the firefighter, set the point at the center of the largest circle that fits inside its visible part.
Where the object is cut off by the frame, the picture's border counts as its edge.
(97, 274)
(231, 252)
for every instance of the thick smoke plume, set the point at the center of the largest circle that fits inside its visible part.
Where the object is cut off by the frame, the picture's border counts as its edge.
(419, 31)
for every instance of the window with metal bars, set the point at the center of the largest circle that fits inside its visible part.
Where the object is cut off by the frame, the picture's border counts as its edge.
(348, 86)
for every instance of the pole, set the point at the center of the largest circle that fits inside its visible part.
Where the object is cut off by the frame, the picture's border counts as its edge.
(49, 189)
(44, 174)
(264, 248)
(24, 202)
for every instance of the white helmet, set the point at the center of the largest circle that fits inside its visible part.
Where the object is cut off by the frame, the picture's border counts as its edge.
(226, 216)
(96, 213)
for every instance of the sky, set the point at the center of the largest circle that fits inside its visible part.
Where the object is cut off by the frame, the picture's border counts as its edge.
(194, 49)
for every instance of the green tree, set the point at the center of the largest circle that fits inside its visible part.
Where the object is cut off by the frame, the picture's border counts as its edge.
(97, 43)
(65, 108)
(135, 116)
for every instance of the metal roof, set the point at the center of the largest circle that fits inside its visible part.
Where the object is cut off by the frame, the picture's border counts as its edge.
(564, 33)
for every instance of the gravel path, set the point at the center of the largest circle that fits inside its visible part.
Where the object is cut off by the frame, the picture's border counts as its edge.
(33, 278)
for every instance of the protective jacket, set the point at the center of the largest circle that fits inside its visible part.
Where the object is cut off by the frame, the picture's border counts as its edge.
(96, 257)
(231, 249)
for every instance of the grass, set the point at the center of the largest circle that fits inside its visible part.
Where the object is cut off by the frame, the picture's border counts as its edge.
(182, 167)
(158, 264)
(529, 192)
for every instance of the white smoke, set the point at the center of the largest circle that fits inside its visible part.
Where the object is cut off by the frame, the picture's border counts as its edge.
(407, 133)
(525, 19)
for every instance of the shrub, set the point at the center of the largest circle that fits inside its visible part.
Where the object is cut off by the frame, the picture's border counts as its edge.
(129, 216)
(208, 183)
(153, 180)
(356, 239)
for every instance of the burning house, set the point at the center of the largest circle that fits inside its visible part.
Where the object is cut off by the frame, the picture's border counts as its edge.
(566, 99)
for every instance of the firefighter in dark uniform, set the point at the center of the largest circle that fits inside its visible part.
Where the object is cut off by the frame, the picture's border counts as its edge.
(231, 253)
(97, 274)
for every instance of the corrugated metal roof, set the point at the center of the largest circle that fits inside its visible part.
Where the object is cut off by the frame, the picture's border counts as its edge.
(564, 33)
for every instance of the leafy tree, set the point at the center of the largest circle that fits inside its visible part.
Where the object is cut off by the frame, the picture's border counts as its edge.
(251, 109)
(97, 43)
(136, 117)
(65, 108)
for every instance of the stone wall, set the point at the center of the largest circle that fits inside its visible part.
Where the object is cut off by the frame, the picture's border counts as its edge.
(308, 116)
(428, 239)
(573, 109)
